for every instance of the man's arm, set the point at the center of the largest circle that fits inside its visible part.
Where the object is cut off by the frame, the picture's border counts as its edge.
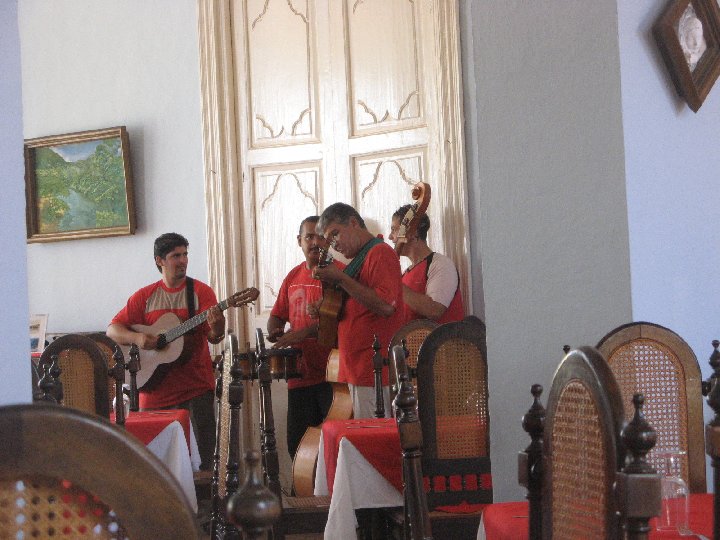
(422, 304)
(362, 293)
(275, 328)
(127, 336)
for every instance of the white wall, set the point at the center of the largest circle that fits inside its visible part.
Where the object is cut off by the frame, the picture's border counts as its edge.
(547, 194)
(14, 336)
(91, 64)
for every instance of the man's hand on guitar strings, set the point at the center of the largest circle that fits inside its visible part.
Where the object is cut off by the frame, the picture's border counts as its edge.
(146, 342)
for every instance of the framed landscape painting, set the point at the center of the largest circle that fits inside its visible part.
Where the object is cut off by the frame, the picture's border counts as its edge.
(79, 185)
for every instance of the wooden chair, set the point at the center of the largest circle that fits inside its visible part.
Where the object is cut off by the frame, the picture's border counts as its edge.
(454, 415)
(656, 362)
(65, 473)
(107, 346)
(412, 334)
(587, 491)
(84, 373)
(712, 433)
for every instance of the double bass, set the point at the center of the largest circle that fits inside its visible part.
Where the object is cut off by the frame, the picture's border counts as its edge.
(409, 223)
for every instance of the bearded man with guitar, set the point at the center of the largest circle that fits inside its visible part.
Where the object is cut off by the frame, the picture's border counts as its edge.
(310, 396)
(188, 382)
(371, 285)
(431, 284)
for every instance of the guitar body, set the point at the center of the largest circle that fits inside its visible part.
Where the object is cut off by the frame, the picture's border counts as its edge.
(306, 456)
(329, 316)
(157, 360)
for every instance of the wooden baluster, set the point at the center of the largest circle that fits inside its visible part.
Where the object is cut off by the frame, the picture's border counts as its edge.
(133, 366)
(232, 474)
(267, 420)
(530, 461)
(378, 363)
(253, 508)
(638, 485)
(712, 432)
(217, 518)
(117, 372)
(417, 519)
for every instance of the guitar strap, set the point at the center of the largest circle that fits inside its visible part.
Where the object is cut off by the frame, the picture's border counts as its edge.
(353, 269)
(190, 292)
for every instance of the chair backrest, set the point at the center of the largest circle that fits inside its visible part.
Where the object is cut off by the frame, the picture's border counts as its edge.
(107, 346)
(453, 408)
(84, 373)
(655, 361)
(70, 474)
(414, 333)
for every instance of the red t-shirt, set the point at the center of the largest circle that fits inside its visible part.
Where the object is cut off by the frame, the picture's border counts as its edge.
(299, 289)
(418, 278)
(381, 272)
(182, 381)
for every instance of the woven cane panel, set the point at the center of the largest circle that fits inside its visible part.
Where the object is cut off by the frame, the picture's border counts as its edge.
(461, 401)
(647, 366)
(578, 467)
(413, 341)
(108, 352)
(78, 379)
(42, 507)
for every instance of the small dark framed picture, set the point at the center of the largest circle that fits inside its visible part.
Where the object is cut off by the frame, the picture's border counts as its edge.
(79, 185)
(688, 35)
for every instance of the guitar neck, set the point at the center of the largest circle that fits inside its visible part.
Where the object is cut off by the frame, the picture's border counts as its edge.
(197, 320)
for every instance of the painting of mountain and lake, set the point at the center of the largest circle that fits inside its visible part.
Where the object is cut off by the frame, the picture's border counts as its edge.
(79, 185)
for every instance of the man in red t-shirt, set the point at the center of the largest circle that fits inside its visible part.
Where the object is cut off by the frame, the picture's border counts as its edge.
(372, 283)
(431, 284)
(309, 397)
(189, 384)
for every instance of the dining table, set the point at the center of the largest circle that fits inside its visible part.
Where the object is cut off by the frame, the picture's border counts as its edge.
(168, 434)
(509, 521)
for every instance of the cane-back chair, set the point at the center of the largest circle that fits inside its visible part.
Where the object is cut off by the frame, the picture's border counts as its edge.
(107, 346)
(656, 362)
(68, 474)
(584, 492)
(84, 373)
(413, 334)
(453, 409)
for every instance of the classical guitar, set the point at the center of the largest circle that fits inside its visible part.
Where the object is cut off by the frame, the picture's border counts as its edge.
(306, 456)
(330, 308)
(170, 331)
(408, 225)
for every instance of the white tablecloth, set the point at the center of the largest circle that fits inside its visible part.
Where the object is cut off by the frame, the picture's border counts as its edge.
(357, 485)
(170, 447)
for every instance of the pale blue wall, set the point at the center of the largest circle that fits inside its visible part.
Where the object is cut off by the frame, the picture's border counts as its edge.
(673, 189)
(14, 337)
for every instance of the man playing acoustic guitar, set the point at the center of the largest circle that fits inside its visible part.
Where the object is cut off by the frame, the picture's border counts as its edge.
(373, 289)
(188, 383)
(309, 397)
(431, 285)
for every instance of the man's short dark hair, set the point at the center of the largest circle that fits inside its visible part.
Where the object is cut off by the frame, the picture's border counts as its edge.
(423, 225)
(339, 213)
(309, 219)
(165, 243)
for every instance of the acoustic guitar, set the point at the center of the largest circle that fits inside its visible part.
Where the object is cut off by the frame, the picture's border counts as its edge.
(409, 223)
(330, 308)
(170, 346)
(306, 455)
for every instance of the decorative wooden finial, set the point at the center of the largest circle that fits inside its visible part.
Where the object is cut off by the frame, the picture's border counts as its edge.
(713, 388)
(566, 349)
(530, 460)
(378, 363)
(133, 366)
(46, 384)
(639, 438)
(253, 508)
(55, 372)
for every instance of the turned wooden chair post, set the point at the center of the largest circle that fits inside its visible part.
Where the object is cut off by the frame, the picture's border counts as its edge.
(253, 508)
(530, 461)
(232, 478)
(217, 525)
(638, 484)
(712, 432)
(133, 366)
(267, 420)
(417, 520)
(378, 363)
(47, 383)
(117, 372)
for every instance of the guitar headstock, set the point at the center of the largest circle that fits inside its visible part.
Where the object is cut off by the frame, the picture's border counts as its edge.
(243, 297)
(325, 255)
(421, 195)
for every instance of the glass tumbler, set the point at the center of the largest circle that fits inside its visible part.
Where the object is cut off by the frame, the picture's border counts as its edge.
(675, 494)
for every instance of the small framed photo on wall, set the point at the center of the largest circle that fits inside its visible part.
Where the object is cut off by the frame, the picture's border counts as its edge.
(688, 35)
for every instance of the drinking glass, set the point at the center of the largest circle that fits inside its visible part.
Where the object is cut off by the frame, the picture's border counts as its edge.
(675, 494)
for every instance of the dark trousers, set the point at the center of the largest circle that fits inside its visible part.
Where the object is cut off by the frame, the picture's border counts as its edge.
(202, 414)
(307, 406)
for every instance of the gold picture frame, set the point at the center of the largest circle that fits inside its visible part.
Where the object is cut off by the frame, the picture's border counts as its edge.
(688, 35)
(79, 185)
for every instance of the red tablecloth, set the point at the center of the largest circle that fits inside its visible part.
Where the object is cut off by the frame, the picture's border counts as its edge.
(379, 443)
(146, 425)
(509, 521)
